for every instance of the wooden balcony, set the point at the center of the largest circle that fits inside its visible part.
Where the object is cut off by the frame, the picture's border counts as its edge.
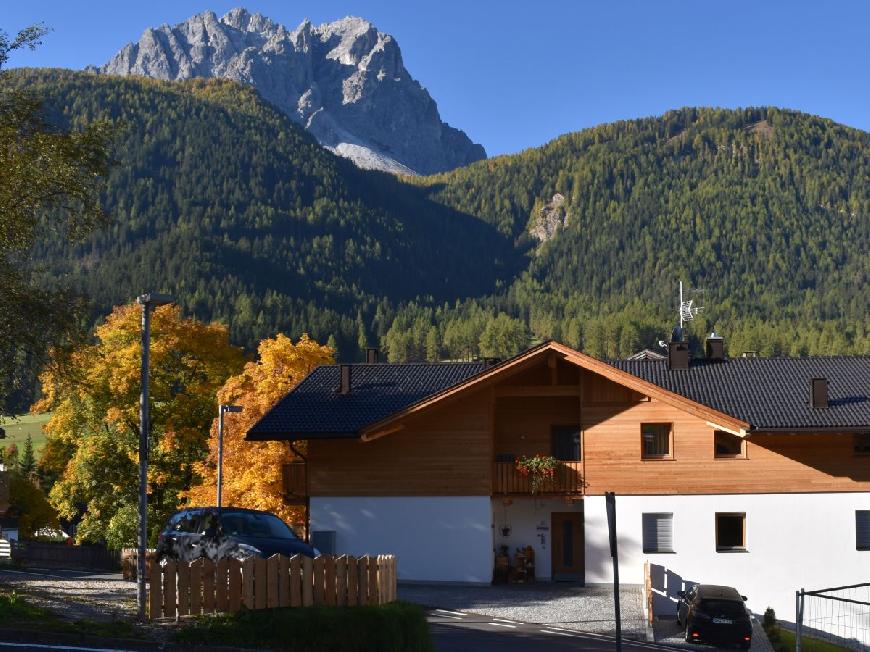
(568, 479)
(295, 486)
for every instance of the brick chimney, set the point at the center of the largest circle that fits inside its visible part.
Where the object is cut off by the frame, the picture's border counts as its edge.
(678, 350)
(714, 347)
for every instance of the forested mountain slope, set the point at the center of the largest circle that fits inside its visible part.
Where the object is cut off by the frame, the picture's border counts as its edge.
(221, 199)
(767, 210)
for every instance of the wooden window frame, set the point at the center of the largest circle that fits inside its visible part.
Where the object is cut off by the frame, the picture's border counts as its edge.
(658, 458)
(855, 450)
(735, 456)
(573, 426)
(858, 546)
(741, 548)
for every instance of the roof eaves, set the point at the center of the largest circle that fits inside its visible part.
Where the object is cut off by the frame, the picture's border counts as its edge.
(252, 435)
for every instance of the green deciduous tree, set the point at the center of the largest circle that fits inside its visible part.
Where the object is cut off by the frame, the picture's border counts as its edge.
(50, 180)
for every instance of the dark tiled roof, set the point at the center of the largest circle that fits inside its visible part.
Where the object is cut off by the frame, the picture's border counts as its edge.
(770, 393)
(316, 408)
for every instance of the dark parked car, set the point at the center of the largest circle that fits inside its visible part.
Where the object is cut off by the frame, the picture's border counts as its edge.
(230, 532)
(715, 614)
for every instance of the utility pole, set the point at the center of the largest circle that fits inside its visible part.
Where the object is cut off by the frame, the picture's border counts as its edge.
(610, 500)
(222, 409)
(148, 303)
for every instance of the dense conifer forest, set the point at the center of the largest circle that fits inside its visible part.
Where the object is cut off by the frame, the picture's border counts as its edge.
(217, 197)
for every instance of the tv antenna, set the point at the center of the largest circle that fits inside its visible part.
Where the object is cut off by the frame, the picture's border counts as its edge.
(688, 309)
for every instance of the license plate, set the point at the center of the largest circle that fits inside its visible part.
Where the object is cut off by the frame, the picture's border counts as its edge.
(722, 621)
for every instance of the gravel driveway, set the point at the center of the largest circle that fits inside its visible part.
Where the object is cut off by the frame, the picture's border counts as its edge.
(77, 595)
(588, 608)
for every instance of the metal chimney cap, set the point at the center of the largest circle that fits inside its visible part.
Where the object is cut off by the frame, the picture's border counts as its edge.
(714, 336)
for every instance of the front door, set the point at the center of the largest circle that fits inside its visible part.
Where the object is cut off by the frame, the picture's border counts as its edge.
(568, 546)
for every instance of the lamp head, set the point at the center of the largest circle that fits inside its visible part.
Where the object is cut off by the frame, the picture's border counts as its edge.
(231, 408)
(154, 299)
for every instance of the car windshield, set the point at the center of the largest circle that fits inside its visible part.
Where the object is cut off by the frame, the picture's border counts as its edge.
(723, 608)
(246, 524)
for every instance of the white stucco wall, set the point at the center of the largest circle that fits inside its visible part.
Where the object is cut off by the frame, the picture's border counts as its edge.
(792, 540)
(530, 523)
(439, 539)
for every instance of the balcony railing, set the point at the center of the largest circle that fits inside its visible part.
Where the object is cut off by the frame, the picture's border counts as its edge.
(567, 479)
(294, 481)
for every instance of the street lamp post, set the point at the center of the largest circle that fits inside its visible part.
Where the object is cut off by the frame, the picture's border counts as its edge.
(222, 409)
(148, 303)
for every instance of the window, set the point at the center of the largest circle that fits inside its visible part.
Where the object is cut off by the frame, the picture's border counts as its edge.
(862, 529)
(727, 445)
(658, 532)
(565, 442)
(656, 441)
(862, 443)
(730, 531)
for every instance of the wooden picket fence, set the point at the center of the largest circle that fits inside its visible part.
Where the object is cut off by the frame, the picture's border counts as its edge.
(203, 586)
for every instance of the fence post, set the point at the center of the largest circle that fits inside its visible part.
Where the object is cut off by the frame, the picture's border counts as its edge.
(799, 618)
(155, 591)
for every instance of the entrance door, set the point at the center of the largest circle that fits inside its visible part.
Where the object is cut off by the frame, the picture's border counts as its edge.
(568, 546)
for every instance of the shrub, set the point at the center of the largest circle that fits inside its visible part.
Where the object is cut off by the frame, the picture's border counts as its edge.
(396, 627)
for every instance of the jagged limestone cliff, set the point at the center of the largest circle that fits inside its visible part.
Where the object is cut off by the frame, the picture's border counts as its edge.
(343, 81)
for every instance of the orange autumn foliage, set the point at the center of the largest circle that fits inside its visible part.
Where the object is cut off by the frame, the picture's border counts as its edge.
(252, 470)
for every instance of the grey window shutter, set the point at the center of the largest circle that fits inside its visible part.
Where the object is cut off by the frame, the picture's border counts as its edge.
(658, 532)
(862, 529)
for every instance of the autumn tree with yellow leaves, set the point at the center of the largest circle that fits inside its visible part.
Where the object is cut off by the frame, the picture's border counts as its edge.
(252, 470)
(93, 434)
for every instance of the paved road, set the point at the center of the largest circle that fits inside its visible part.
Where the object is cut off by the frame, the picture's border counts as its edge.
(455, 631)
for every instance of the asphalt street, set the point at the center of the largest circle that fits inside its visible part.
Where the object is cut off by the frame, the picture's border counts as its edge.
(455, 631)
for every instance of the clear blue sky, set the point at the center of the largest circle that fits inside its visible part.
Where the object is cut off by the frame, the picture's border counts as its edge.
(517, 73)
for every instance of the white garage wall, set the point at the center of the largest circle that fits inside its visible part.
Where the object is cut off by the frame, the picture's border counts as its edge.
(793, 541)
(438, 539)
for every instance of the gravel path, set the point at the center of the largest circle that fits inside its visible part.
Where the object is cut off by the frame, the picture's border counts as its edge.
(588, 608)
(76, 595)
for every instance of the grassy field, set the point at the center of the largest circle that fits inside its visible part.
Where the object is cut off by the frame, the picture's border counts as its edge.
(808, 643)
(17, 429)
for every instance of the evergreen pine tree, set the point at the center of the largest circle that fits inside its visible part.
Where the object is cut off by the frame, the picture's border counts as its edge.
(27, 462)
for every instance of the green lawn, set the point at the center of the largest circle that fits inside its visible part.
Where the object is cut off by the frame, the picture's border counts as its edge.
(17, 429)
(808, 644)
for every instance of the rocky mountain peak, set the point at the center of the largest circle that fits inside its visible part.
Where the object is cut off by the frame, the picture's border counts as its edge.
(344, 81)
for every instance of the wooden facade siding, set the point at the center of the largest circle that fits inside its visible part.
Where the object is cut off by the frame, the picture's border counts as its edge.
(523, 424)
(451, 449)
(293, 480)
(781, 463)
(448, 453)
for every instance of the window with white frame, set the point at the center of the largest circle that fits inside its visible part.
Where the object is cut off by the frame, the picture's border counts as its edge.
(658, 532)
(862, 529)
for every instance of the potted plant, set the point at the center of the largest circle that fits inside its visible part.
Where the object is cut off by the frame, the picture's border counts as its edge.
(537, 468)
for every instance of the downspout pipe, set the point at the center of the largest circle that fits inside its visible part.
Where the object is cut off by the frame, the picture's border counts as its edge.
(297, 452)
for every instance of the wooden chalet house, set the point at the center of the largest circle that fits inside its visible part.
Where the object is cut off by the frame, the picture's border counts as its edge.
(747, 472)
